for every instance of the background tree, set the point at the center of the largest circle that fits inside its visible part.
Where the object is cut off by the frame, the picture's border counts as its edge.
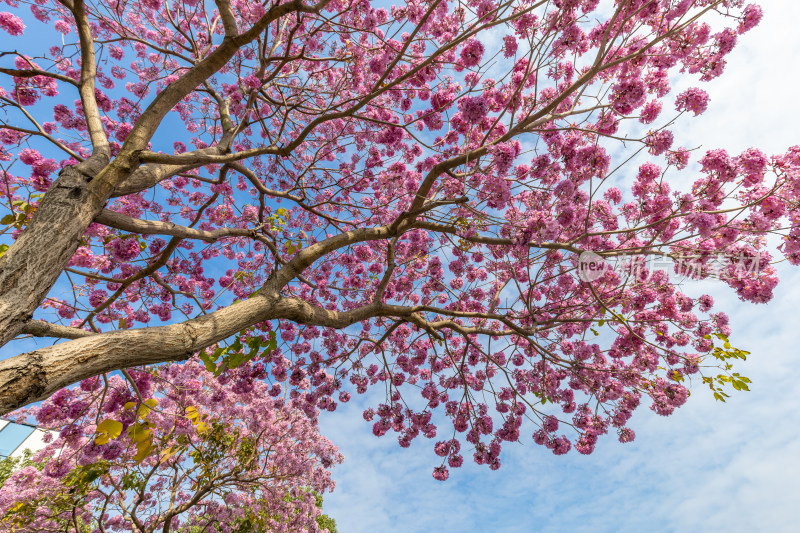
(400, 196)
(8, 465)
(171, 450)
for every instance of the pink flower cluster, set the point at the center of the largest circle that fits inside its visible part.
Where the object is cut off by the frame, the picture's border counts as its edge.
(472, 53)
(694, 100)
(263, 453)
(11, 23)
(28, 89)
(473, 108)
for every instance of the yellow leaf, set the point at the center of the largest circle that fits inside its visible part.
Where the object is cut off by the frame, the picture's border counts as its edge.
(166, 454)
(144, 409)
(130, 405)
(143, 449)
(192, 414)
(139, 432)
(202, 427)
(107, 430)
(112, 427)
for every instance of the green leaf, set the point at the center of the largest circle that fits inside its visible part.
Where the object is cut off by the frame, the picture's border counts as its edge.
(271, 343)
(740, 385)
(8, 219)
(210, 366)
(91, 476)
(237, 359)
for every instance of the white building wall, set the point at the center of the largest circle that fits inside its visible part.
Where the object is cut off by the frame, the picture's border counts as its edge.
(34, 442)
(13, 444)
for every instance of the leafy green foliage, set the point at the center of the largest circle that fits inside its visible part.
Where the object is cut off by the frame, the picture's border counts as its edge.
(9, 465)
(235, 354)
(726, 354)
(324, 521)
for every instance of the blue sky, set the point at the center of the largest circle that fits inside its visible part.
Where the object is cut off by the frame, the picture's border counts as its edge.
(709, 467)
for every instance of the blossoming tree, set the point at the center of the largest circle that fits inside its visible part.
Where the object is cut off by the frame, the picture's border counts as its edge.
(424, 197)
(196, 454)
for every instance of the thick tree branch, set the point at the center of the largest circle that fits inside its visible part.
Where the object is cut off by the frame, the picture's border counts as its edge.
(157, 227)
(228, 19)
(31, 72)
(35, 375)
(40, 328)
(451, 229)
(86, 87)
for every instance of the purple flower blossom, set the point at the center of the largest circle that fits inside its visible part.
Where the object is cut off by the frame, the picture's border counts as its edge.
(503, 156)
(628, 95)
(440, 473)
(472, 53)
(473, 108)
(650, 111)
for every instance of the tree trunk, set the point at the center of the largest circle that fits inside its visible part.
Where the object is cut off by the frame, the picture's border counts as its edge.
(32, 265)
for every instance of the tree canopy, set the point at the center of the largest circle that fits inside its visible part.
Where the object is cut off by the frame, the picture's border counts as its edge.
(171, 450)
(457, 202)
